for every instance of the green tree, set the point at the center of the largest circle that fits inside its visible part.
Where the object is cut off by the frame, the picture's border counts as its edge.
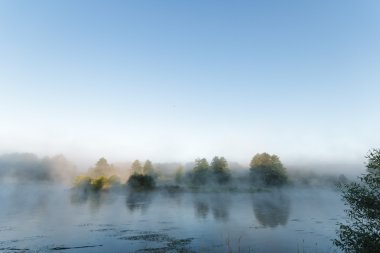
(136, 167)
(147, 168)
(200, 171)
(361, 233)
(220, 170)
(268, 169)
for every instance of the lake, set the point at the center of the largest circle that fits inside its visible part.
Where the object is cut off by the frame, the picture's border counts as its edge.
(47, 218)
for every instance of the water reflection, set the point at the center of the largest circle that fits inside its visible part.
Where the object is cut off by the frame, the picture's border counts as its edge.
(218, 204)
(271, 209)
(175, 194)
(201, 208)
(220, 207)
(95, 199)
(139, 201)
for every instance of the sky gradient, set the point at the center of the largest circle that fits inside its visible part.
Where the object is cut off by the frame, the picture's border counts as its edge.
(176, 80)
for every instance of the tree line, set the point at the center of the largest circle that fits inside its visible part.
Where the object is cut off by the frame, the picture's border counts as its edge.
(264, 170)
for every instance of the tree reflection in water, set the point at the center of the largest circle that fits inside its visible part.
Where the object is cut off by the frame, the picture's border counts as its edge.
(95, 199)
(139, 201)
(218, 204)
(271, 209)
(201, 208)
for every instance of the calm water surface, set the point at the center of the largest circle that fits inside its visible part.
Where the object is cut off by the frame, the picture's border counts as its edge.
(49, 218)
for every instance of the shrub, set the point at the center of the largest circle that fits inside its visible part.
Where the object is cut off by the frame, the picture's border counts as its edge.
(141, 182)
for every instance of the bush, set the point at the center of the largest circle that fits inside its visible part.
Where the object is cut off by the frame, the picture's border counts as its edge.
(91, 184)
(99, 183)
(141, 182)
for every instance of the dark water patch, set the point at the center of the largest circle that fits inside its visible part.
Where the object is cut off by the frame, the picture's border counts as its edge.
(153, 237)
(14, 249)
(165, 222)
(180, 243)
(103, 230)
(170, 228)
(107, 225)
(165, 250)
(85, 225)
(75, 247)
(173, 245)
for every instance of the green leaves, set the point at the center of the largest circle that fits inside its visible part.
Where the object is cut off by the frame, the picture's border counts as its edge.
(268, 169)
(362, 231)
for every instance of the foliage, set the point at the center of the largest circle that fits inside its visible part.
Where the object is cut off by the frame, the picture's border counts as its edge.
(268, 169)
(148, 168)
(141, 182)
(136, 167)
(362, 232)
(97, 183)
(200, 172)
(220, 170)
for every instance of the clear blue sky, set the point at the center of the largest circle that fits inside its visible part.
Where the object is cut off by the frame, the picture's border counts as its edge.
(175, 80)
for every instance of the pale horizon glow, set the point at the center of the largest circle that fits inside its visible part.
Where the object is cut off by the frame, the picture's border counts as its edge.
(172, 81)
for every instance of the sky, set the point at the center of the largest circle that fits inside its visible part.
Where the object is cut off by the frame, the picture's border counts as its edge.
(176, 80)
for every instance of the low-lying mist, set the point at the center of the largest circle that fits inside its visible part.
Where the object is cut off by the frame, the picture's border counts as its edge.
(215, 206)
(29, 167)
(58, 169)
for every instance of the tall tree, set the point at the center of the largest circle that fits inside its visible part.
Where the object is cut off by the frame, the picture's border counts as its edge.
(147, 168)
(361, 233)
(102, 167)
(219, 168)
(136, 167)
(200, 171)
(268, 169)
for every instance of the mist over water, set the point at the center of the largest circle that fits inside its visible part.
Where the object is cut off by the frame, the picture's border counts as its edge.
(44, 217)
